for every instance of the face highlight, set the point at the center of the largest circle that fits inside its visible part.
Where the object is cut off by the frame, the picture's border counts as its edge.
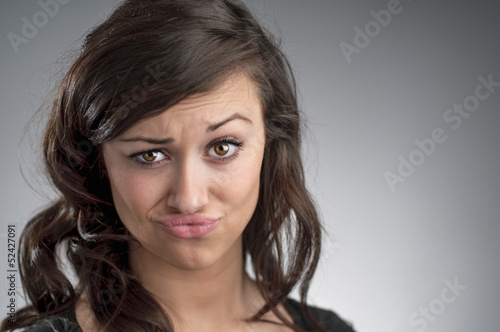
(200, 158)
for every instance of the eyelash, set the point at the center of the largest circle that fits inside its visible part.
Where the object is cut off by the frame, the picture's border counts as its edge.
(226, 139)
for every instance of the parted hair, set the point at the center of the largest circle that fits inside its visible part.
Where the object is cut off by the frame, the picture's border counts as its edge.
(145, 57)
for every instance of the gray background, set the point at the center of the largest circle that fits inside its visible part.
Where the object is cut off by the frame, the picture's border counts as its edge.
(389, 252)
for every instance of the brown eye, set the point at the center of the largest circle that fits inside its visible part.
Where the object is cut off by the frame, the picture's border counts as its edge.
(221, 149)
(150, 155)
(150, 158)
(224, 148)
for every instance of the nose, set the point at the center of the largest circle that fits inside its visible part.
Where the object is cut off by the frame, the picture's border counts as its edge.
(188, 193)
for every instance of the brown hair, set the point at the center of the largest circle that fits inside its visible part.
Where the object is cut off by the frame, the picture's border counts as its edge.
(147, 56)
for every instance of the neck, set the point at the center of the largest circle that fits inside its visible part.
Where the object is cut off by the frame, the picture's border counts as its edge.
(219, 293)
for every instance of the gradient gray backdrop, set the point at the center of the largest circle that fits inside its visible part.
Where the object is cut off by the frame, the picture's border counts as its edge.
(389, 253)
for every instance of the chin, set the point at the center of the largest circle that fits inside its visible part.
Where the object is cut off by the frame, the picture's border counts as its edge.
(188, 255)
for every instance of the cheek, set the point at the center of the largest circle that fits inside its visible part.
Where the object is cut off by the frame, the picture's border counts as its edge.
(134, 194)
(238, 187)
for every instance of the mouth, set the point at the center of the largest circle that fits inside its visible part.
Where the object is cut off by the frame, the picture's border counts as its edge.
(188, 226)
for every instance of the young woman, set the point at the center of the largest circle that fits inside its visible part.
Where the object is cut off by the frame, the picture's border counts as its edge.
(174, 141)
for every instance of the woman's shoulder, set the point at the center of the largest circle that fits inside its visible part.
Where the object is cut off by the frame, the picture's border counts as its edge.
(63, 322)
(327, 319)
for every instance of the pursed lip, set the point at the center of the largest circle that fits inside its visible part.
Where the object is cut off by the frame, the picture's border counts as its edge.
(189, 226)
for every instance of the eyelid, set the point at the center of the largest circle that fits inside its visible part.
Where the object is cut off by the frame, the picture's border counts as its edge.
(226, 139)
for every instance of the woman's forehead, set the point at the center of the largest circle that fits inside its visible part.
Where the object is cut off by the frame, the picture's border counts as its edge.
(236, 97)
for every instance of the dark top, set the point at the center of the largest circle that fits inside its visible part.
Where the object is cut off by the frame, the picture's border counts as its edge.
(329, 321)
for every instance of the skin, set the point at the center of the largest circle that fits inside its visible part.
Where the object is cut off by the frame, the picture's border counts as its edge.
(200, 282)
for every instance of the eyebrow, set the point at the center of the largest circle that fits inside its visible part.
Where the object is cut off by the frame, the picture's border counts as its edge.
(235, 116)
(153, 141)
(165, 141)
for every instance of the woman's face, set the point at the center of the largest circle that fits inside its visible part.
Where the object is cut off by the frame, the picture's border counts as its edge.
(185, 183)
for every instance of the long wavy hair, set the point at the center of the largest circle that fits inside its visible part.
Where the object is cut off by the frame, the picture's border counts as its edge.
(145, 57)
